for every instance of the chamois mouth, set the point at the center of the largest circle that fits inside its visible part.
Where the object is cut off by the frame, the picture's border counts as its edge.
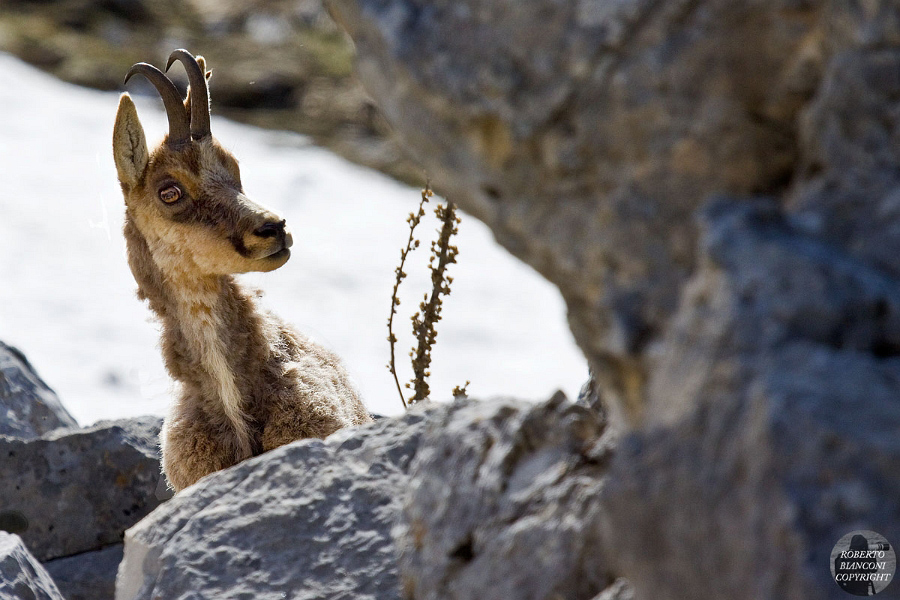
(283, 254)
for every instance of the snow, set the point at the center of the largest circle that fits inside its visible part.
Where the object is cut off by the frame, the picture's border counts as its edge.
(67, 297)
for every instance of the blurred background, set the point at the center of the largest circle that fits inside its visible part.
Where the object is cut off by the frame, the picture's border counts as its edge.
(282, 64)
(311, 145)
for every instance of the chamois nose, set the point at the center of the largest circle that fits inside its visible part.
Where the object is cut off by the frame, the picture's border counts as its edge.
(271, 229)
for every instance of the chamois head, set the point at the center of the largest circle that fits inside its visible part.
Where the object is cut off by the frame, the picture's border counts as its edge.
(186, 196)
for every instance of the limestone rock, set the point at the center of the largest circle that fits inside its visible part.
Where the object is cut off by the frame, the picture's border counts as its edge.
(28, 407)
(776, 414)
(21, 575)
(503, 504)
(586, 135)
(765, 283)
(74, 491)
(713, 187)
(89, 575)
(758, 489)
(491, 499)
(589, 396)
(847, 183)
(310, 520)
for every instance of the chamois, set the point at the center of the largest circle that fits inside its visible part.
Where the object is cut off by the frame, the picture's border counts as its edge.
(248, 382)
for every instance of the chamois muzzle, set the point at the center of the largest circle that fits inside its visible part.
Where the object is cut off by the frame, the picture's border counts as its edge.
(277, 234)
(265, 236)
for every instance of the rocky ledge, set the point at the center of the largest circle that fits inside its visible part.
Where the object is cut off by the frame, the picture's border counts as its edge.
(447, 501)
(68, 493)
(471, 499)
(493, 500)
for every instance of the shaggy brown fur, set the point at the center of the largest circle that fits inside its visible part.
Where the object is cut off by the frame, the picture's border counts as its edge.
(248, 382)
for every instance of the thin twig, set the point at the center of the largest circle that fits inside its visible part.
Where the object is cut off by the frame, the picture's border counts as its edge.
(411, 244)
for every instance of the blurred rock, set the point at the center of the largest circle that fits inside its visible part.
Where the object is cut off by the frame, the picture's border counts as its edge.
(713, 188)
(586, 134)
(278, 63)
(71, 492)
(28, 407)
(308, 520)
(763, 284)
(89, 575)
(589, 395)
(21, 576)
(503, 504)
(848, 187)
(776, 414)
(758, 489)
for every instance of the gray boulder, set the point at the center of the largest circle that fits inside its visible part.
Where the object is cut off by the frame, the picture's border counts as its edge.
(21, 576)
(713, 187)
(28, 407)
(89, 575)
(310, 520)
(587, 133)
(490, 500)
(503, 503)
(71, 492)
(776, 416)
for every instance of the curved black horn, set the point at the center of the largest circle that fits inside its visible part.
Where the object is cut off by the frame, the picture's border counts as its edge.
(179, 125)
(199, 92)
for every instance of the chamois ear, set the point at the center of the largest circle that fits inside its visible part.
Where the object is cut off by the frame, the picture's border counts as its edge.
(202, 62)
(129, 143)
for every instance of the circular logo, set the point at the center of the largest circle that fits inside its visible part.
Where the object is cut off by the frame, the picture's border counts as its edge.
(863, 563)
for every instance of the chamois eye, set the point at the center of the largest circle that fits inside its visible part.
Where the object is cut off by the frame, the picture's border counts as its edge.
(170, 194)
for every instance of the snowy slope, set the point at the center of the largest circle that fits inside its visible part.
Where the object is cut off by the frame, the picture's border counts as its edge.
(67, 297)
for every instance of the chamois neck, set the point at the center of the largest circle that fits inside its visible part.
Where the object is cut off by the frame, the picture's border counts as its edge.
(200, 315)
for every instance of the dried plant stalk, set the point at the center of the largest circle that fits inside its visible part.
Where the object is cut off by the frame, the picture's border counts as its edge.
(430, 308)
(461, 391)
(411, 244)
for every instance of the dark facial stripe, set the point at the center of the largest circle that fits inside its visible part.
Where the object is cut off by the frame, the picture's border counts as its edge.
(238, 243)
